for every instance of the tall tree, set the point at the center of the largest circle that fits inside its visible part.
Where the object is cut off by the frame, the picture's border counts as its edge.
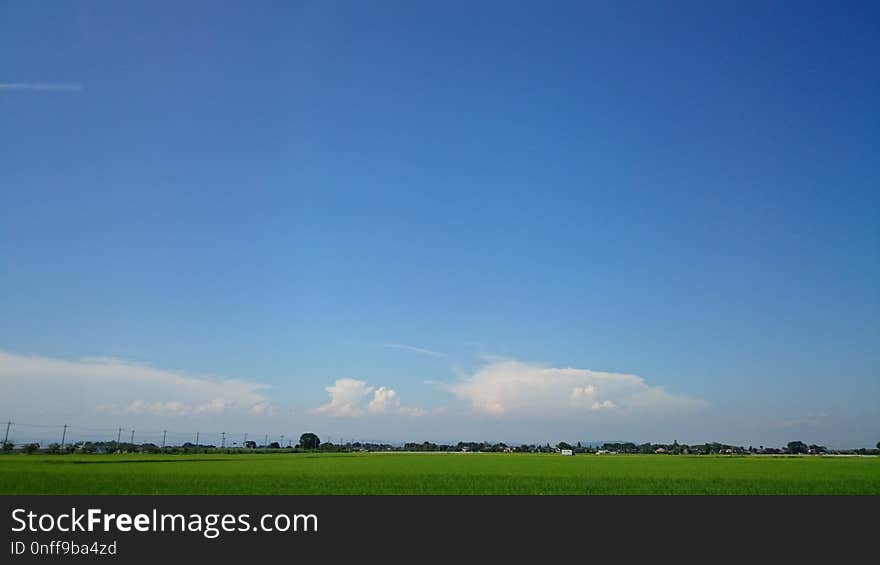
(309, 441)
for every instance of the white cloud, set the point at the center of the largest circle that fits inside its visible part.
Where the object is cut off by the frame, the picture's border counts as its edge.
(512, 388)
(384, 399)
(604, 405)
(261, 409)
(348, 399)
(580, 392)
(110, 386)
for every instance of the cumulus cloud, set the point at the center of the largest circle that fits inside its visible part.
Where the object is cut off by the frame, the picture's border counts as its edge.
(261, 409)
(351, 398)
(110, 386)
(384, 399)
(346, 398)
(512, 388)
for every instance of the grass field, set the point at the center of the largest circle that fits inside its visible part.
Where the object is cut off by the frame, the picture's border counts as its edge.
(440, 473)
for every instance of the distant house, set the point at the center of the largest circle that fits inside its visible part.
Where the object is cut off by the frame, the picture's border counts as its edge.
(250, 444)
(660, 450)
(567, 452)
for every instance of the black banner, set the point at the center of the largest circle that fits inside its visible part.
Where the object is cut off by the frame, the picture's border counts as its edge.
(147, 529)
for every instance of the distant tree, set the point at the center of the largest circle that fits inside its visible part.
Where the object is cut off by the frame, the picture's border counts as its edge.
(274, 445)
(878, 445)
(797, 447)
(309, 441)
(31, 448)
(8, 446)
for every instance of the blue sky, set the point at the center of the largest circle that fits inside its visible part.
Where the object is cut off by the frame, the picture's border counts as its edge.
(302, 196)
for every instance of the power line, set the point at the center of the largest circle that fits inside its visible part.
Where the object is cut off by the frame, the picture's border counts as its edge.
(85, 434)
(38, 425)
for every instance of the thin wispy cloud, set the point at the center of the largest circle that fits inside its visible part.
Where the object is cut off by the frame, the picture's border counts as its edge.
(42, 86)
(412, 349)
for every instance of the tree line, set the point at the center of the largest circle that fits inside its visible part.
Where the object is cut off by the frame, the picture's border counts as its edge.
(310, 442)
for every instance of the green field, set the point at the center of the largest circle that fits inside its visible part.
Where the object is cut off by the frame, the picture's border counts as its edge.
(436, 473)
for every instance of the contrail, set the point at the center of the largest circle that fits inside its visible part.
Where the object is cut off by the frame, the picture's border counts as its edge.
(419, 350)
(44, 86)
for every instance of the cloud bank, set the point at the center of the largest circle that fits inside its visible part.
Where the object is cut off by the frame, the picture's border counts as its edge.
(515, 389)
(106, 385)
(503, 399)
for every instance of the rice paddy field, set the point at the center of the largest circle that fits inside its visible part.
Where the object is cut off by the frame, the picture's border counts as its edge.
(436, 473)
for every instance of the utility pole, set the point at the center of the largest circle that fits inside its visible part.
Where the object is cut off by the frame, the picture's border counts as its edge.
(6, 439)
(197, 439)
(164, 433)
(63, 437)
(118, 436)
(266, 441)
(281, 445)
(132, 437)
(245, 438)
(223, 439)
